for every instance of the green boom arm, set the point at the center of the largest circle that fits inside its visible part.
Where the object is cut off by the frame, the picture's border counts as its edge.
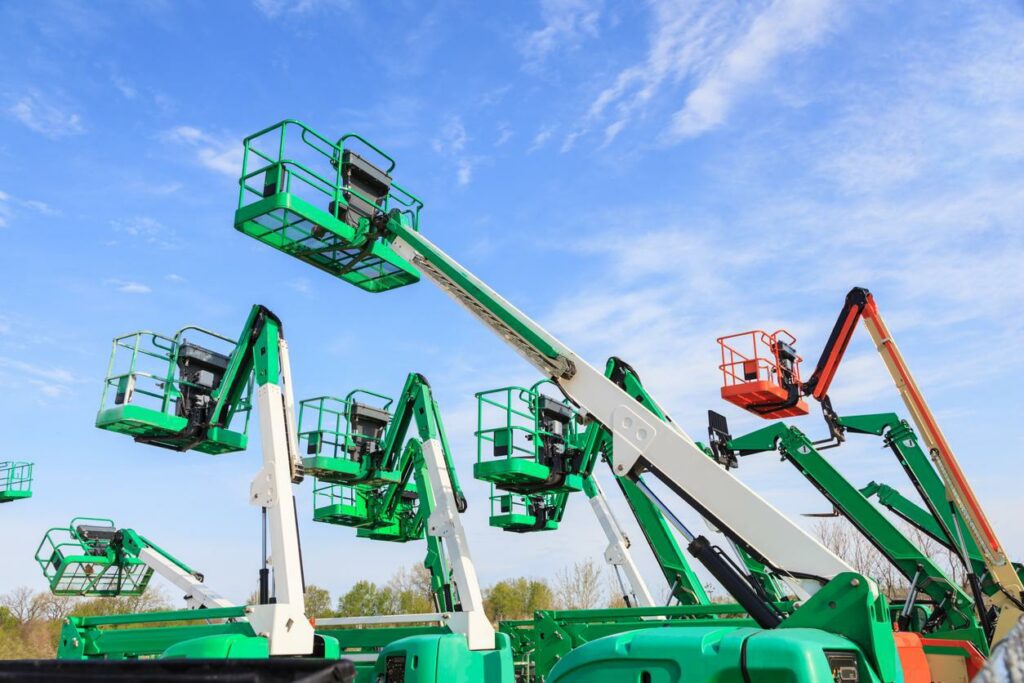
(953, 616)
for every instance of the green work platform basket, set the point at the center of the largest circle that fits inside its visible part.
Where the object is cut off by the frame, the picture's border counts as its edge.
(324, 204)
(404, 524)
(360, 507)
(158, 388)
(341, 504)
(527, 442)
(15, 481)
(341, 436)
(85, 559)
(520, 514)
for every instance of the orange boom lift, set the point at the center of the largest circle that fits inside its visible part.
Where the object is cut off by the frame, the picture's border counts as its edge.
(761, 374)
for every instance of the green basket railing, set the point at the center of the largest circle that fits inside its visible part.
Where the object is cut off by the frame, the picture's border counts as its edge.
(15, 481)
(143, 388)
(519, 513)
(514, 444)
(335, 449)
(295, 195)
(74, 564)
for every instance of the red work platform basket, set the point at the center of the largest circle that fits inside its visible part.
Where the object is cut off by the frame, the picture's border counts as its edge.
(760, 371)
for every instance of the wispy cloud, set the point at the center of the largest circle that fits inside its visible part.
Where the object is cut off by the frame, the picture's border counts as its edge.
(786, 26)
(504, 134)
(273, 9)
(128, 286)
(50, 381)
(124, 87)
(41, 114)
(712, 54)
(451, 142)
(301, 285)
(541, 138)
(220, 154)
(567, 23)
(10, 206)
(938, 232)
(147, 231)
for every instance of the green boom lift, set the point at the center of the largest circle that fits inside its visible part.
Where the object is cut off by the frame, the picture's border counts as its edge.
(393, 479)
(346, 216)
(938, 519)
(176, 393)
(953, 611)
(15, 481)
(92, 557)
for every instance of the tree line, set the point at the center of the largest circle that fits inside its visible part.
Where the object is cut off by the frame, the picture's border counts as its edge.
(30, 621)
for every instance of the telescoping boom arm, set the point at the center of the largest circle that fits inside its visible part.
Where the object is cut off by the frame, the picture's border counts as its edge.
(965, 506)
(640, 440)
(369, 237)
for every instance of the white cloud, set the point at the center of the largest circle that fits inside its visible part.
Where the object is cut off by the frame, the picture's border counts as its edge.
(464, 173)
(146, 230)
(175, 278)
(219, 154)
(786, 26)
(50, 381)
(451, 141)
(43, 116)
(541, 138)
(938, 235)
(9, 208)
(128, 287)
(273, 9)
(504, 134)
(567, 23)
(452, 137)
(301, 285)
(52, 374)
(714, 52)
(40, 207)
(124, 87)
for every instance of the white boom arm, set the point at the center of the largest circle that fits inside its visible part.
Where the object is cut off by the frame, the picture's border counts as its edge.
(444, 523)
(197, 594)
(283, 622)
(617, 553)
(640, 441)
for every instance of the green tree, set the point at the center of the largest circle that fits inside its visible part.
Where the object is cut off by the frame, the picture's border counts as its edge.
(366, 599)
(412, 590)
(517, 598)
(318, 601)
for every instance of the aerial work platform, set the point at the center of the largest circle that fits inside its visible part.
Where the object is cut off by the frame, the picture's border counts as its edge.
(761, 372)
(15, 481)
(343, 437)
(527, 442)
(159, 390)
(324, 204)
(86, 558)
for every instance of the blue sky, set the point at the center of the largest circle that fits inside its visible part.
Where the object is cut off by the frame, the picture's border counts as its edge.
(640, 177)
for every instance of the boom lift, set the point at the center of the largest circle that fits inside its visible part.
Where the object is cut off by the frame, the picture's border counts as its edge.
(539, 457)
(15, 481)
(952, 617)
(401, 488)
(179, 395)
(375, 244)
(91, 557)
(765, 380)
